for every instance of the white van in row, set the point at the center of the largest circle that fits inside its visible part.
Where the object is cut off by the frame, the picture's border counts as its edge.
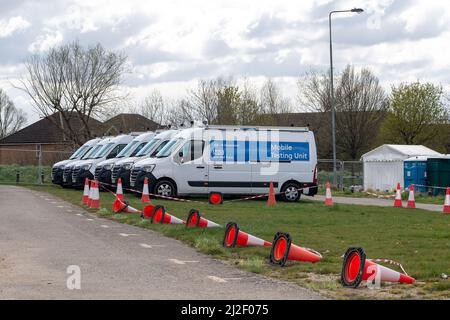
(103, 169)
(122, 168)
(58, 168)
(233, 160)
(108, 148)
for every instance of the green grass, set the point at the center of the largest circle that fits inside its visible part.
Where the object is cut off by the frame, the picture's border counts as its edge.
(28, 174)
(419, 239)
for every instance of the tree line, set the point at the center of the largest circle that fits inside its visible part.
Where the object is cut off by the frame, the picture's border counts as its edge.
(84, 82)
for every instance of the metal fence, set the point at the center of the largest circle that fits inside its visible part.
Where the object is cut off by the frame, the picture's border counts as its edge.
(349, 173)
(29, 166)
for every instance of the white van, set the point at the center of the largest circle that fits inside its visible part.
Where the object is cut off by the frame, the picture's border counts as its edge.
(58, 167)
(233, 160)
(122, 168)
(104, 169)
(110, 148)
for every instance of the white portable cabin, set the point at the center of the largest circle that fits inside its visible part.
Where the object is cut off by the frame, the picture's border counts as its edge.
(384, 168)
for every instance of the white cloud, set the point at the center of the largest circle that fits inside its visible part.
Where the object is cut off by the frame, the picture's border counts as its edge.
(10, 26)
(46, 41)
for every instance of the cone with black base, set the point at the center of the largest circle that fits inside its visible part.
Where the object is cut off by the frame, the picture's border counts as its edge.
(123, 206)
(235, 237)
(159, 215)
(147, 212)
(357, 268)
(283, 250)
(195, 219)
(215, 198)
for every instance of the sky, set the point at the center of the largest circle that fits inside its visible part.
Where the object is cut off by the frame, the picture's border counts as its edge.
(172, 44)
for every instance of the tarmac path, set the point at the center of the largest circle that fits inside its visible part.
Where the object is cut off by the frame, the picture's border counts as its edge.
(41, 236)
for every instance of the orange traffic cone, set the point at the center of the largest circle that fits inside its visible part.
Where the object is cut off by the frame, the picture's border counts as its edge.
(147, 212)
(160, 215)
(271, 201)
(235, 237)
(91, 193)
(195, 219)
(447, 201)
(123, 206)
(357, 268)
(328, 197)
(398, 197)
(85, 198)
(95, 201)
(411, 199)
(215, 198)
(145, 194)
(119, 190)
(283, 250)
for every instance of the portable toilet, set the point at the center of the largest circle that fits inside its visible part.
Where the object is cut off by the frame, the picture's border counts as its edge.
(415, 172)
(438, 169)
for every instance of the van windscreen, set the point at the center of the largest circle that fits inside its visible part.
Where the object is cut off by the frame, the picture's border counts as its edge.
(169, 147)
(147, 148)
(92, 152)
(128, 150)
(79, 153)
(105, 150)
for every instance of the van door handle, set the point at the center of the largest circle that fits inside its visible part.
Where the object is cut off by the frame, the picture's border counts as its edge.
(218, 167)
(200, 167)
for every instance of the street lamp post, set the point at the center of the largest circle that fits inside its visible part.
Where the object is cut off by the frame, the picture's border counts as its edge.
(333, 112)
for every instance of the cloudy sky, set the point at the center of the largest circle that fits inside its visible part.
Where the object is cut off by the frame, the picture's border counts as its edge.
(171, 44)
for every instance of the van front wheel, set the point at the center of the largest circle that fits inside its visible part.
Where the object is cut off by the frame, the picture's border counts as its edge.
(290, 192)
(165, 188)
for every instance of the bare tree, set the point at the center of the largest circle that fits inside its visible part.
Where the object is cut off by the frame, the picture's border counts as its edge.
(78, 82)
(11, 118)
(179, 114)
(273, 103)
(360, 104)
(153, 107)
(204, 100)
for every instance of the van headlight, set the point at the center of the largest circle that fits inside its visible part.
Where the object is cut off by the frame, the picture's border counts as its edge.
(86, 166)
(149, 168)
(108, 166)
(127, 166)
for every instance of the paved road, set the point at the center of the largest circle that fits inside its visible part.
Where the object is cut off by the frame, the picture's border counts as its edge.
(40, 236)
(375, 202)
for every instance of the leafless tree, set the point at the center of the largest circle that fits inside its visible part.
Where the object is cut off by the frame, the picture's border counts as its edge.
(273, 103)
(204, 100)
(11, 118)
(179, 114)
(153, 107)
(360, 104)
(76, 81)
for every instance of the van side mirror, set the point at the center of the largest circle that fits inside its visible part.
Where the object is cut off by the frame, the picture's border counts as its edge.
(180, 154)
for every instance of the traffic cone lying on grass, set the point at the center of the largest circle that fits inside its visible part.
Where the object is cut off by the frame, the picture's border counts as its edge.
(328, 197)
(411, 199)
(235, 237)
(283, 250)
(447, 202)
(160, 215)
(85, 198)
(95, 200)
(271, 201)
(123, 206)
(398, 197)
(195, 219)
(356, 268)
(147, 212)
(145, 193)
(119, 190)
